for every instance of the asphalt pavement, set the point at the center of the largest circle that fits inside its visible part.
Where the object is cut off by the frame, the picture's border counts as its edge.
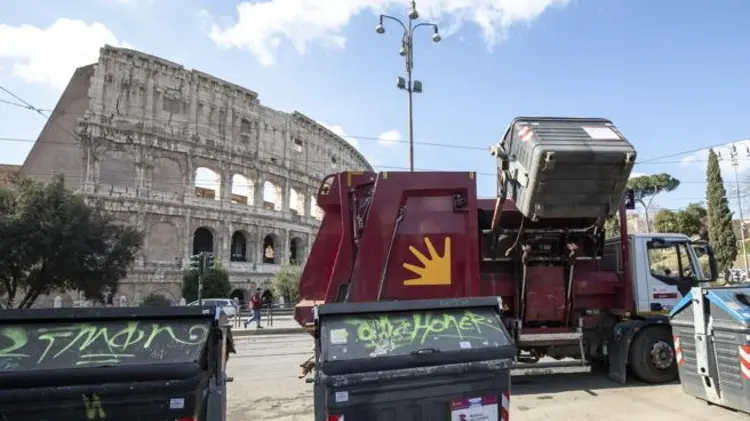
(266, 387)
(283, 324)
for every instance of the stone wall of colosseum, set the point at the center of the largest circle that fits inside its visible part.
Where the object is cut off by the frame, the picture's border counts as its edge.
(196, 162)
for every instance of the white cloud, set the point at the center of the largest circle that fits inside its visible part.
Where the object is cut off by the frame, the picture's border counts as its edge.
(374, 162)
(50, 55)
(339, 131)
(390, 137)
(700, 159)
(261, 26)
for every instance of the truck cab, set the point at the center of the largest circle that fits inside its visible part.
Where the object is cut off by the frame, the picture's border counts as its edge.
(663, 267)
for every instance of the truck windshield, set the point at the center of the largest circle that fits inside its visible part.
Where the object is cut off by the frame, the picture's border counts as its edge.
(675, 260)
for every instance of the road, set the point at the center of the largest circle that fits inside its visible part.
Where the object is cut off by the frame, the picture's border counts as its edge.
(266, 388)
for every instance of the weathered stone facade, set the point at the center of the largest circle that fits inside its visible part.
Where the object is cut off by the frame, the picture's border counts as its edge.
(8, 171)
(139, 133)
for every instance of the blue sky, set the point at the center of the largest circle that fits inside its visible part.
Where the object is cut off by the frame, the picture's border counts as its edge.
(671, 74)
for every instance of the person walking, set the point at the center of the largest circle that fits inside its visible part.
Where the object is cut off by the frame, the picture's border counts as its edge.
(256, 303)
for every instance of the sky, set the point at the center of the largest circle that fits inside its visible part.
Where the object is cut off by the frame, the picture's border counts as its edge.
(672, 75)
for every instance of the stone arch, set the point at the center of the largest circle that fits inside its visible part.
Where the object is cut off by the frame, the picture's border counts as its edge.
(203, 240)
(270, 249)
(117, 168)
(167, 175)
(296, 201)
(241, 294)
(296, 251)
(163, 244)
(239, 247)
(243, 190)
(272, 196)
(207, 183)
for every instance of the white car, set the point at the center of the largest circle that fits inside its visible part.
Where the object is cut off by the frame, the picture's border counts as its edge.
(226, 304)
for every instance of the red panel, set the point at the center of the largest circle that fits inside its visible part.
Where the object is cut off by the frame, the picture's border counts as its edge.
(495, 282)
(545, 294)
(594, 289)
(330, 260)
(429, 224)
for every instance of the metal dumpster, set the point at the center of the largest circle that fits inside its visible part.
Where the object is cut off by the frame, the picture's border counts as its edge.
(561, 167)
(412, 361)
(146, 364)
(711, 328)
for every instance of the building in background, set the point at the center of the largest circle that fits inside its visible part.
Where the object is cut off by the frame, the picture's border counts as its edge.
(196, 162)
(8, 171)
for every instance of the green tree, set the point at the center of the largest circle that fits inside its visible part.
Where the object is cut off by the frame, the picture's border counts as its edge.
(155, 300)
(612, 226)
(215, 284)
(691, 221)
(52, 239)
(286, 283)
(667, 220)
(647, 187)
(720, 232)
(695, 220)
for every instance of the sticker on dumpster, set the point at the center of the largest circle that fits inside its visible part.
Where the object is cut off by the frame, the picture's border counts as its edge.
(484, 408)
(342, 397)
(339, 336)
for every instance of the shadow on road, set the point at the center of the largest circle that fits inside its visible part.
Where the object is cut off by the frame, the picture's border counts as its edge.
(556, 383)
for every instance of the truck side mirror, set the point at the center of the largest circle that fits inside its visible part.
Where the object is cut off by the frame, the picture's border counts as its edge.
(703, 249)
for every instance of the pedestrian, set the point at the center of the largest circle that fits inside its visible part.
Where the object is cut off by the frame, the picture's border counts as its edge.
(256, 303)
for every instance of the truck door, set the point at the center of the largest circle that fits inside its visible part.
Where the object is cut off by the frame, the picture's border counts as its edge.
(672, 271)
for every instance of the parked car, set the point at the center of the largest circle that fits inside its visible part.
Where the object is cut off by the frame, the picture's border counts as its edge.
(226, 304)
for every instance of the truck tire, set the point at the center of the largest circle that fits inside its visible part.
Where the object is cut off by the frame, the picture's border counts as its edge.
(652, 356)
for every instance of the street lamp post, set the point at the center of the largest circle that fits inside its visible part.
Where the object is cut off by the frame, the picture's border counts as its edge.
(733, 156)
(407, 51)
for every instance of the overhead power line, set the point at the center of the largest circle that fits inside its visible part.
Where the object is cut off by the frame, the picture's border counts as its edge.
(658, 160)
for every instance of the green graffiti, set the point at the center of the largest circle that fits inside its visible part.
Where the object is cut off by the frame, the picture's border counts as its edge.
(97, 343)
(93, 407)
(417, 328)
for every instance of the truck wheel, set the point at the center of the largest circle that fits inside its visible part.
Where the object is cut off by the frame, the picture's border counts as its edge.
(652, 356)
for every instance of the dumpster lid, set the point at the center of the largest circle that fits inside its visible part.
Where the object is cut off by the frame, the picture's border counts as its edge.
(591, 128)
(36, 340)
(409, 305)
(366, 331)
(735, 301)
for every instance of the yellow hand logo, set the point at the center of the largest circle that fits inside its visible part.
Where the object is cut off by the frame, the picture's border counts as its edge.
(435, 269)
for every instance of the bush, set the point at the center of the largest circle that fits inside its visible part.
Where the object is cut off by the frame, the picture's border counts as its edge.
(155, 300)
(215, 284)
(286, 283)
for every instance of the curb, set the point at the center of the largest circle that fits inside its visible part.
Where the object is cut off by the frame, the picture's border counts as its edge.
(267, 331)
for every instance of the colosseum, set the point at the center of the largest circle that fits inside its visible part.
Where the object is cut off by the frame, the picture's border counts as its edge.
(196, 162)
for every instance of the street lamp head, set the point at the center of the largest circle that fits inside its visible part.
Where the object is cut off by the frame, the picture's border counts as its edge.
(402, 51)
(413, 14)
(436, 36)
(380, 28)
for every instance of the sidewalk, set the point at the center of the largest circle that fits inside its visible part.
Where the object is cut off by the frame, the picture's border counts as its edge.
(281, 325)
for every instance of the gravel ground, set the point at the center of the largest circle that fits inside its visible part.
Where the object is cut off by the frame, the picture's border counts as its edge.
(266, 388)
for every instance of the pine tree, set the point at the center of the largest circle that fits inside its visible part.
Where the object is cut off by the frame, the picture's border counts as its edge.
(720, 232)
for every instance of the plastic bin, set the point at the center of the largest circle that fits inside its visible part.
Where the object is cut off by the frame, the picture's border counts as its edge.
(147, 364)
(413, 361)
(711, 328)
(564, 167)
